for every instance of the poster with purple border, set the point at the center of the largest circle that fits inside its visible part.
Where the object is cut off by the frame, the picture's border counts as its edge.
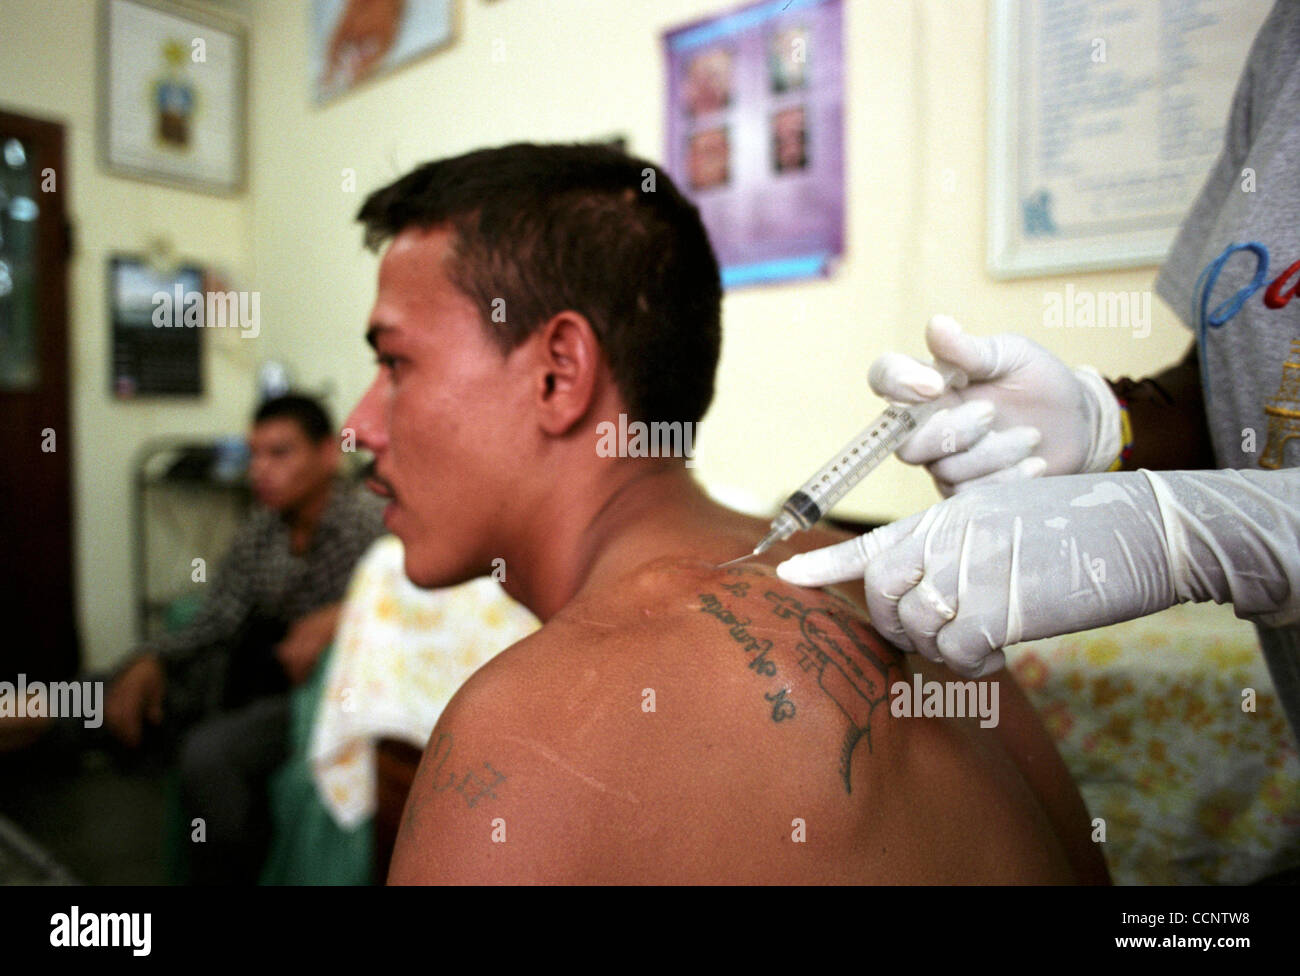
(756, 135)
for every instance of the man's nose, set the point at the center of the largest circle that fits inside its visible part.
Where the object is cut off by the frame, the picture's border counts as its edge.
(366, 421)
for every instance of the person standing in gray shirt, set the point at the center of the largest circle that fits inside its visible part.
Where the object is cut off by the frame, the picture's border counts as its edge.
(1179, 487)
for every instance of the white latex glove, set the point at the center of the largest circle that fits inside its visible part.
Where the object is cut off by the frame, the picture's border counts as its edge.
(1000, 564)
(1023, 414)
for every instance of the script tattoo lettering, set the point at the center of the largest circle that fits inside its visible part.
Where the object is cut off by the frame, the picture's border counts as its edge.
(471, 785)
(481, 787)
(782, 707)
(713, 606)
(737, 589)
(439, 754)
(475, 786)
(761, 664)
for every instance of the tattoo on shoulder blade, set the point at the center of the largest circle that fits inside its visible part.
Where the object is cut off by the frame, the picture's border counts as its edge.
(852, 666)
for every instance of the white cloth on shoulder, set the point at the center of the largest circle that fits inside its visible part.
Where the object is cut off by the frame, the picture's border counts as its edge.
(400, 654)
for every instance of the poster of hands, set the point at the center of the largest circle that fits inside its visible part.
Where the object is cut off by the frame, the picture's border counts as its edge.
(354, 40)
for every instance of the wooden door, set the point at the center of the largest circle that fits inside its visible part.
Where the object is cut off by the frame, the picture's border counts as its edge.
(38, 633)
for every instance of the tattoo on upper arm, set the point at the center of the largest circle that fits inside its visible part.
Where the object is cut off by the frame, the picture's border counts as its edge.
(476, 786)
(473, 786)
(852, 665)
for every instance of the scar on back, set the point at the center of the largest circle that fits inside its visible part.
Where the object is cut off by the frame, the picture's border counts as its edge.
(553, 757)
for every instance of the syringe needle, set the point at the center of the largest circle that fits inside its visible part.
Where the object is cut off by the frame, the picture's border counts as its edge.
(732, 562)
(776, 535)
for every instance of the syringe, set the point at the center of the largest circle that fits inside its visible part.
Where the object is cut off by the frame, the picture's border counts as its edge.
(853, 462)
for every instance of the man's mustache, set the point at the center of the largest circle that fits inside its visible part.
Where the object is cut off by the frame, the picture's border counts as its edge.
(368, 473)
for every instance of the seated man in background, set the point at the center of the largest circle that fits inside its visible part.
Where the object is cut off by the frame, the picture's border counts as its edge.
(222, 682)
(671, 721)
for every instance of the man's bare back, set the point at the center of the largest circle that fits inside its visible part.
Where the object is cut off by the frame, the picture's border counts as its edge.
(679, 723)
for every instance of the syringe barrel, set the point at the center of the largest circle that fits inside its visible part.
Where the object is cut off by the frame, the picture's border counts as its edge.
(859, 457)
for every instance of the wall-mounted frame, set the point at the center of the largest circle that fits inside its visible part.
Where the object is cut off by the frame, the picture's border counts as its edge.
(157, 349)
(755, 133)
(356, 41)
(1103, 127)
(172, 95)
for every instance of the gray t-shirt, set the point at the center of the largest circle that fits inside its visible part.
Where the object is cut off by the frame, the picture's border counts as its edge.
(1233, 277)
(1235, 265)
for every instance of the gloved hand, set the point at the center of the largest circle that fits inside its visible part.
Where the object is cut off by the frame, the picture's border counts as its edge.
(1000, 564)
(1023, 414)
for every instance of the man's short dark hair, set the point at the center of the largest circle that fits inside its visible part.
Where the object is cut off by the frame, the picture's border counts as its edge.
(307, 412)
(542, 229)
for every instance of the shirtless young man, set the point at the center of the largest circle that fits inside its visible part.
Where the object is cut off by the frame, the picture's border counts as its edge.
(671, 721)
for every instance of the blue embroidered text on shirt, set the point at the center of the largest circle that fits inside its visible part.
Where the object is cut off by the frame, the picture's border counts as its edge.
(1205, 319)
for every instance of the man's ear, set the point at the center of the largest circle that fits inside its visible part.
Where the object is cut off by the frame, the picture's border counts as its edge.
(567, 366)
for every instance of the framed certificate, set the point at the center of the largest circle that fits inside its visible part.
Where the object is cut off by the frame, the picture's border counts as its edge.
(1104, 121)
(171, 95)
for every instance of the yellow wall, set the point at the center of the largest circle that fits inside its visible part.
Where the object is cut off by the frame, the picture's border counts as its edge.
(793, 376)
(792, 383)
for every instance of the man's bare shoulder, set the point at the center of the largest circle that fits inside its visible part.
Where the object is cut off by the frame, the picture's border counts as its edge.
(728, 650)
(694, 724)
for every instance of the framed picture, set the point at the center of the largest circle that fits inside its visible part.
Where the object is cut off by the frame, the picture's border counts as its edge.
(756, 135)
(353, 41)
(172, 96)
(1099, 137)
(156, 319)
